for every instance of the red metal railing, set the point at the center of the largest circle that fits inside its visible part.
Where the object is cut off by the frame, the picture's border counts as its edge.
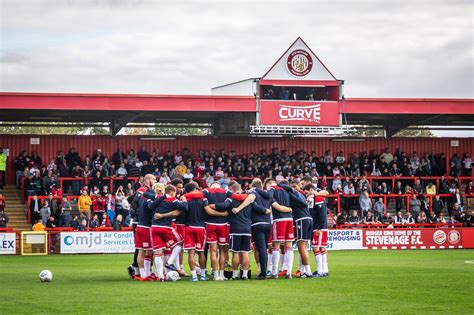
(388, 196)
(371, 179)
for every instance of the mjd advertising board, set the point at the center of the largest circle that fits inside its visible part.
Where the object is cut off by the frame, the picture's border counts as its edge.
(97, 242)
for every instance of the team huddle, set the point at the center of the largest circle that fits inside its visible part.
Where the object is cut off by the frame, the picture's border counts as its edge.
(215, 221)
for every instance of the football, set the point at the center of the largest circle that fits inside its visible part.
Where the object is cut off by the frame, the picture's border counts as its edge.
(172, 276)
(46, 276)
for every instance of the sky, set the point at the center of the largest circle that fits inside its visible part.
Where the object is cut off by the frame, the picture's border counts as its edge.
(405, 48)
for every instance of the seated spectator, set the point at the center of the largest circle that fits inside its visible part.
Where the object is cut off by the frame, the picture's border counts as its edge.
(353, 218)
(94, 222)
(51, 223)
(408, 219)
(75, 222)
(387, 218)
(219, 173)
(451, 219)
(467, 219)
(441, 218)
(336, 183)
(341, 218)
(398, 219)
(38, 226)
(122, 171)
(224, 181)
(422, 218)
(369, 218)
(83, 225)
(147, 168)
(430, 189)
(456, 211)
(164, 178)
(433, 218)
(3, 218)
(117, 225)
(105, 221)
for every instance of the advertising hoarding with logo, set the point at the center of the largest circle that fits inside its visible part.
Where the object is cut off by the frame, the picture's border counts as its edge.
(7, 243)
(345, 239)
(425, 238)
(97, 242)
(299, 113)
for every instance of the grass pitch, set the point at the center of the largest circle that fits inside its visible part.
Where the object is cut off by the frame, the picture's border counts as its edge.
(360, 282)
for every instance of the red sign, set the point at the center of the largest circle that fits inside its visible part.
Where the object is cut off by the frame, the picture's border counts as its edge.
(299, 113)
(426, 238)
(299, 63)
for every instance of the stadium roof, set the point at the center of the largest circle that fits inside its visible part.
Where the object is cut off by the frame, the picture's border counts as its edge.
(298, 67)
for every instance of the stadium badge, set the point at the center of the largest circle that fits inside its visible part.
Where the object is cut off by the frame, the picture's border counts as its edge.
(299, 63)
(439, 237)
(454, 237)
(310, 113)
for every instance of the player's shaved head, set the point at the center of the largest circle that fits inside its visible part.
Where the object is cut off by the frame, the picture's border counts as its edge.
(232, 183)
(149, 180)
(307, 179)
(284, 182)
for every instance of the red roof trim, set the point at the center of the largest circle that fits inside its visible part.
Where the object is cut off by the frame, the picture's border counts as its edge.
(118, 102)
(124, 95)
(408, 106)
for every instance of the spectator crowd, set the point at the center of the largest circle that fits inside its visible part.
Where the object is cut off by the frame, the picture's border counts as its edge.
(343, 175)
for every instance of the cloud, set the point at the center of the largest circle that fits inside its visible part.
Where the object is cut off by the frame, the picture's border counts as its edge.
(380, 48)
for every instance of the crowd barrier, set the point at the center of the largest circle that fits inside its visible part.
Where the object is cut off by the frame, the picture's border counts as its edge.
(389, 179)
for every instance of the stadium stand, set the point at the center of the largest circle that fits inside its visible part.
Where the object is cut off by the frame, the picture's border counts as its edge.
(427, 188)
